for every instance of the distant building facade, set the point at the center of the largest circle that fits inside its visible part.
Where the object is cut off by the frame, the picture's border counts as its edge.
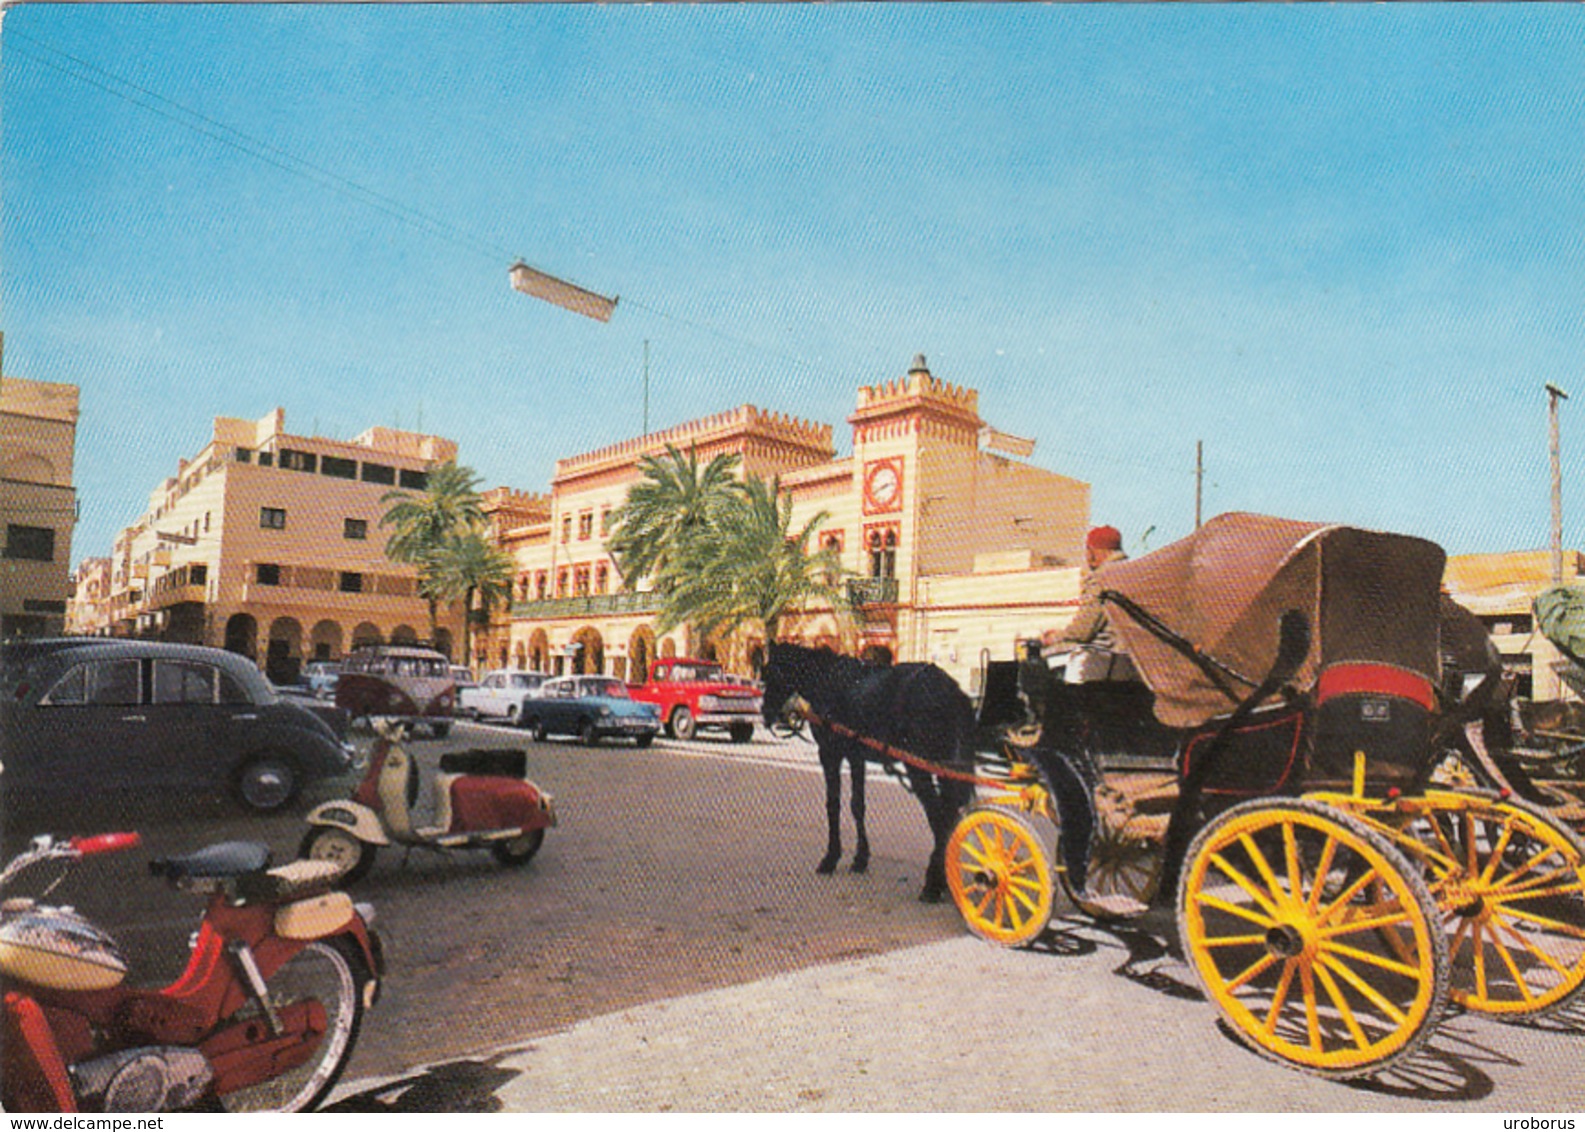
(1499, 589)
(38, 504)
(269, 544)
(954, 543)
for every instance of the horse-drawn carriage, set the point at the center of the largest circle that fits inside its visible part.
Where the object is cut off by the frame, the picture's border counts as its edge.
(1271, 778)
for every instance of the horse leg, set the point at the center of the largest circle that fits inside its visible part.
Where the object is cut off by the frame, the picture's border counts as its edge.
(861, 851)
(940, 821)
(831, 767)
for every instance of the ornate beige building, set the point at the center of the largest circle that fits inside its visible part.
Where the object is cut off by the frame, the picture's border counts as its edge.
(269, 544)
(955, 544)
(38, 505)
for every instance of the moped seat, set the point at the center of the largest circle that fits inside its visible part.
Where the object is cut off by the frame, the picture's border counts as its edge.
(226, 859)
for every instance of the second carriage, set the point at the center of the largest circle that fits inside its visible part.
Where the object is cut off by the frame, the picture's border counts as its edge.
(1273, 779)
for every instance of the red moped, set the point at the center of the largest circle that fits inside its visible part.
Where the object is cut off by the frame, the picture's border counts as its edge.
(263, 1019)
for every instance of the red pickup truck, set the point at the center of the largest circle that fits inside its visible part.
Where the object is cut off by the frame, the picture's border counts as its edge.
(695, 695)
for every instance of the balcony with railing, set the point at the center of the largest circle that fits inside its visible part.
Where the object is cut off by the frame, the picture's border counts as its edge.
(872, 591)
(591, 605)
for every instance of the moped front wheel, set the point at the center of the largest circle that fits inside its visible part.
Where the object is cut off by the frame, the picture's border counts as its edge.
(331, 843)
(322, 984)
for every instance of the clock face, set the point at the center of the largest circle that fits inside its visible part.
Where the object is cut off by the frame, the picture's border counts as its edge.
(883, 486)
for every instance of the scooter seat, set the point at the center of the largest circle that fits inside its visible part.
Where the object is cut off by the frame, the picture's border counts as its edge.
(226, 859)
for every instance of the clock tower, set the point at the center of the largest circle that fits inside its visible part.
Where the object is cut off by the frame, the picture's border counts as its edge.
(914, 440)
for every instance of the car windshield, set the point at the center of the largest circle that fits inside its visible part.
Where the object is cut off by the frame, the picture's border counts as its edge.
(613, 689)
(683, 672)
(523, 680)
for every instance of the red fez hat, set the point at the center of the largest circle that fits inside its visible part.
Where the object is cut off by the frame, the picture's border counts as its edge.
(1104, 538)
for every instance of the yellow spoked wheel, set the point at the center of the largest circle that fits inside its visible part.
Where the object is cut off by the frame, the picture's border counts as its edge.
(1510, 882)
(1125, 867)
(1314, 937)
(1000, 875)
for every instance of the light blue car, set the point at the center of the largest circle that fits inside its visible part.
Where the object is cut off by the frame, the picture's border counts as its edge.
(592, 708)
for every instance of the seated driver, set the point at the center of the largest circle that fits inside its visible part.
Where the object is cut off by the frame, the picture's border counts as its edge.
(1095, 652)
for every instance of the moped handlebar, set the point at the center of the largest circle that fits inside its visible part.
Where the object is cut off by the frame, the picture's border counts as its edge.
(106, 843)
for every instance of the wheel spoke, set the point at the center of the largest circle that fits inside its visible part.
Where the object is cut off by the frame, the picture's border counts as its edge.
(1497, 852)
(1311, 1017)
(1273, 885)
(1504, 898)
(1545, 921)
(1381, 961)
(1255, 968)
(1322, 868)
(977, 855)
(1546, 851)
(1236, 940)
(1518, 937)
(1244, 883)
(1280, 997)
(1459, 937)
(1290, 848)
(1509, 889)
(1348, 975)
(1480, 959)
(1399, 917)
(1513, 968)
(1236, 910)
(1340, 1001)
(1346, 896)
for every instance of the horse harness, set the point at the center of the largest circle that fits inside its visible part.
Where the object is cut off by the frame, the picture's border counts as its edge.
(797, 704)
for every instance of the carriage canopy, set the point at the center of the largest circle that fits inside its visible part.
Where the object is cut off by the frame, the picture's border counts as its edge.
(1369, 597)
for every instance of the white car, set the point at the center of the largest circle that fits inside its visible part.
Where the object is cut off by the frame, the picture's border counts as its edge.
(500, 695)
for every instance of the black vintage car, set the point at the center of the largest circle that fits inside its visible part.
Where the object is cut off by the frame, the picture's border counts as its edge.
(83, 717)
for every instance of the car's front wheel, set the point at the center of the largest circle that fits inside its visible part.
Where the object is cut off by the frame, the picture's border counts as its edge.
(512, 713)
(683, 724)
(541, 732)
(589, 734)
(267, 782)
(742, 732)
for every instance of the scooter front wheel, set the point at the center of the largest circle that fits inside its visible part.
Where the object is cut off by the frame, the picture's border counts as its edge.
(320, 977)
(331, 843)
(520, 850)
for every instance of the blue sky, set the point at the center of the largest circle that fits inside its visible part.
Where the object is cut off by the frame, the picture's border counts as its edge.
(1342, 246)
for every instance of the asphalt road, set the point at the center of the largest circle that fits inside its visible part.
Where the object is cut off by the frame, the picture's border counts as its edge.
(671, 948)
(676, 869)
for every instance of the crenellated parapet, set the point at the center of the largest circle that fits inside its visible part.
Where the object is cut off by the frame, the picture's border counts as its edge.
(745, 428)
(917, 404)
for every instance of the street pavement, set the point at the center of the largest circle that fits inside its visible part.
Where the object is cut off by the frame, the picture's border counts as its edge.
(1089, 1019)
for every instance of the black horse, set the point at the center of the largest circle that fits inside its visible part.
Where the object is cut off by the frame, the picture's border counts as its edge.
(915, 708)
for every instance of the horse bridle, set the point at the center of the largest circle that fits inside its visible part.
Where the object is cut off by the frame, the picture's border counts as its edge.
(792, 718)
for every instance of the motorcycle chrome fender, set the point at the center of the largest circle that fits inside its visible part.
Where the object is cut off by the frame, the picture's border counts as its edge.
(354, 817)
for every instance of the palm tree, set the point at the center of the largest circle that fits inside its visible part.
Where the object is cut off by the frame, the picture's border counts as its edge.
(423, 523)
(752, 566)
(674, 503)
(471, 568)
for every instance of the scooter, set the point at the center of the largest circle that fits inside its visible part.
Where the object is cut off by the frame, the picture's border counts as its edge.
(482, 800)
(263, 1019)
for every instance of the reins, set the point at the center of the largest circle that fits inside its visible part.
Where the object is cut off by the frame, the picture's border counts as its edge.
(803, 707)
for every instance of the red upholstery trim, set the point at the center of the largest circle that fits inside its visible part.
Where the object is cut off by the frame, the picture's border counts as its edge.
(1375, 679)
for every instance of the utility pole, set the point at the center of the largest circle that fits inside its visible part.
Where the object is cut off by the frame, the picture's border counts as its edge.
(1554, 395)
(1199, 479)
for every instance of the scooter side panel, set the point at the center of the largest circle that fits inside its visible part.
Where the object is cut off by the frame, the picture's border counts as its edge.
(481, 804)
